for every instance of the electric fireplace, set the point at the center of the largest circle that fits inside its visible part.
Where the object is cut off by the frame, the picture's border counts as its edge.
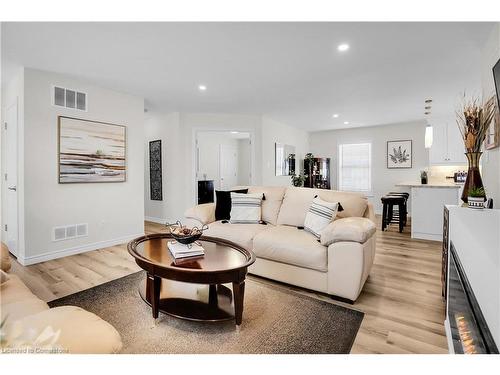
(469, 331)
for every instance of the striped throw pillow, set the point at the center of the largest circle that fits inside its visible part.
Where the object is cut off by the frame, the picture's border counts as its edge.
(245, 208)
(320, 214)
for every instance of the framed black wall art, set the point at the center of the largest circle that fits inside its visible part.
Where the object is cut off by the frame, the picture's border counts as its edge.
(399, 154)
(155, 171)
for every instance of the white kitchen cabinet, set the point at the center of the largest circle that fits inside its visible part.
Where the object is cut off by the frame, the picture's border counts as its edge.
(427, 202)
(447, 146)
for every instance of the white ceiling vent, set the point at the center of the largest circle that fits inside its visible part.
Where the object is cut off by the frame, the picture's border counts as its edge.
(69, 98)
(69, 232)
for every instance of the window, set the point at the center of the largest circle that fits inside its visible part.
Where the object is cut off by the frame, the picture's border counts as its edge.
(355, 164)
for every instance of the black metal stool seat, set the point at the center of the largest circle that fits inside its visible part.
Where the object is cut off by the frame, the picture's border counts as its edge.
(388, 215)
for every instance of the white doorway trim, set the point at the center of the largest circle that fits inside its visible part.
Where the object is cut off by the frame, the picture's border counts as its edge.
(194, 153)
(10, 179)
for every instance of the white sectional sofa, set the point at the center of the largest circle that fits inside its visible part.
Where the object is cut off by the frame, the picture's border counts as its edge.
(338, 264)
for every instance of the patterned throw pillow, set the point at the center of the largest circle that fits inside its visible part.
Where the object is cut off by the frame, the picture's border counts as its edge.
(320, 214)
(245, 208)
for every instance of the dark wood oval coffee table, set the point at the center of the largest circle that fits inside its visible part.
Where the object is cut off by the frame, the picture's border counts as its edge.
(174, 287)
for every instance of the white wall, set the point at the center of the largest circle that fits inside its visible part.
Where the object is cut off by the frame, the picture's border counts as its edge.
(167, 128)
(114, 211)
(325, 144)
(179, 131)
(181, 134)
(276, 132)
(491, 158)
(244, 154)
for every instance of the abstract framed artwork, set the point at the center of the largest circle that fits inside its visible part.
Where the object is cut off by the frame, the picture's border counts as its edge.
(155, 168)
(399, 154)
(91, 151)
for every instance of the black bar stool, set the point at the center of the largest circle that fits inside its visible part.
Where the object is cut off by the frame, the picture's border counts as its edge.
(406, 196)
(389, 216)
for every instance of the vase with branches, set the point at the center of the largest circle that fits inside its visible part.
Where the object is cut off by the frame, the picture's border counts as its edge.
(473, 119)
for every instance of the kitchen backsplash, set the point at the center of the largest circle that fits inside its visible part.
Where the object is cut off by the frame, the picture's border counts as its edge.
(439, 173)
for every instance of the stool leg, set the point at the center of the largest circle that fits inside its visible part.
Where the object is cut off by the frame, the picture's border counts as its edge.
(389, 219)
(384, 215)
(401, 218)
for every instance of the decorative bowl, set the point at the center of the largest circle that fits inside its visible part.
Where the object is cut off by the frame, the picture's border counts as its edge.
(185, 235)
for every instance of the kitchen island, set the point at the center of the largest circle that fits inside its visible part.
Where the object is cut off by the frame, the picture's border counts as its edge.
(427, 202)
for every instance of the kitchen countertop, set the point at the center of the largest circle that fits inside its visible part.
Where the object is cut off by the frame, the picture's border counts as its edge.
(441, 185)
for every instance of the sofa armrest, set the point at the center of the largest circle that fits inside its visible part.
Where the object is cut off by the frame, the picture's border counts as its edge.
(370, 213)
(350, 229)
(349, 264)
(204, 213)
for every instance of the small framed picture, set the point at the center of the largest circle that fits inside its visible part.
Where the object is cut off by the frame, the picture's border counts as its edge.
(493, 136)
(399, 154)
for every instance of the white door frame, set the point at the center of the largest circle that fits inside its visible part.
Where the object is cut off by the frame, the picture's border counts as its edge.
(5, 206)
(194, 154)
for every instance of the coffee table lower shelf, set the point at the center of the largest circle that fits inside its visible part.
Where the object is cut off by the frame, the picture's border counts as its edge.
(195, 302)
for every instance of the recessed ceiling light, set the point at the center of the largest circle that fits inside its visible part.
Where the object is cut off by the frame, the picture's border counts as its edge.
(343, 47)
(346, 122)
(202, 87)
(234, 132)
(336, 115)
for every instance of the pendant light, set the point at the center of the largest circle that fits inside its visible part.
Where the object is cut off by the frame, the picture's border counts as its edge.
(428, 129)
(428, 136)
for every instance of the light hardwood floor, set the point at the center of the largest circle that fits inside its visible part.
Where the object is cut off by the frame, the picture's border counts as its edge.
(401, 300)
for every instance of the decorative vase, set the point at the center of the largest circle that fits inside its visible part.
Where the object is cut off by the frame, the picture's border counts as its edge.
(473, 180)
(475, 202)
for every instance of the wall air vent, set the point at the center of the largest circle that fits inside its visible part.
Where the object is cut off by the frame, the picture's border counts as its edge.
(81, 230)
(69, 98)
(69, 232)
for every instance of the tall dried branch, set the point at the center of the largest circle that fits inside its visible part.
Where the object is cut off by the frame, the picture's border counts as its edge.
(473, 120)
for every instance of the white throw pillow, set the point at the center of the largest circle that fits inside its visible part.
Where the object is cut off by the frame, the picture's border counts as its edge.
(246, 208)
(320, 214)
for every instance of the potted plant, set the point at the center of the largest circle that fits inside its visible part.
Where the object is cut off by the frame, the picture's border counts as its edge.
(298, 181)
(474, 119)
(476, 197)
(423, 177)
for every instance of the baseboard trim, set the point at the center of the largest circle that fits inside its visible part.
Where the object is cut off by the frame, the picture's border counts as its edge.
(426, 236)
(26, 261)
(158, 220)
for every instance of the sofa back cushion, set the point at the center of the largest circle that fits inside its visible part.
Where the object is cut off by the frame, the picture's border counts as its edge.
(297, 201)
(272, 202)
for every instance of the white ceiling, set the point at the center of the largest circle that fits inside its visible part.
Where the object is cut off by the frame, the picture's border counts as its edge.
(291, 72)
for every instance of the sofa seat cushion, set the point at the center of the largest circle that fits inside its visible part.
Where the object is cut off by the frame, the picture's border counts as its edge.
(297, 201)
(240, 234)
(290, 245)
(81, 331)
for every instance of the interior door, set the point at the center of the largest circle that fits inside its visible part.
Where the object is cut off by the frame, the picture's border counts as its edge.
(11, 217)
(228, 167)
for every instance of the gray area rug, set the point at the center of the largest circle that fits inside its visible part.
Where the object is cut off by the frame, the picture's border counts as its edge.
(275, 320)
